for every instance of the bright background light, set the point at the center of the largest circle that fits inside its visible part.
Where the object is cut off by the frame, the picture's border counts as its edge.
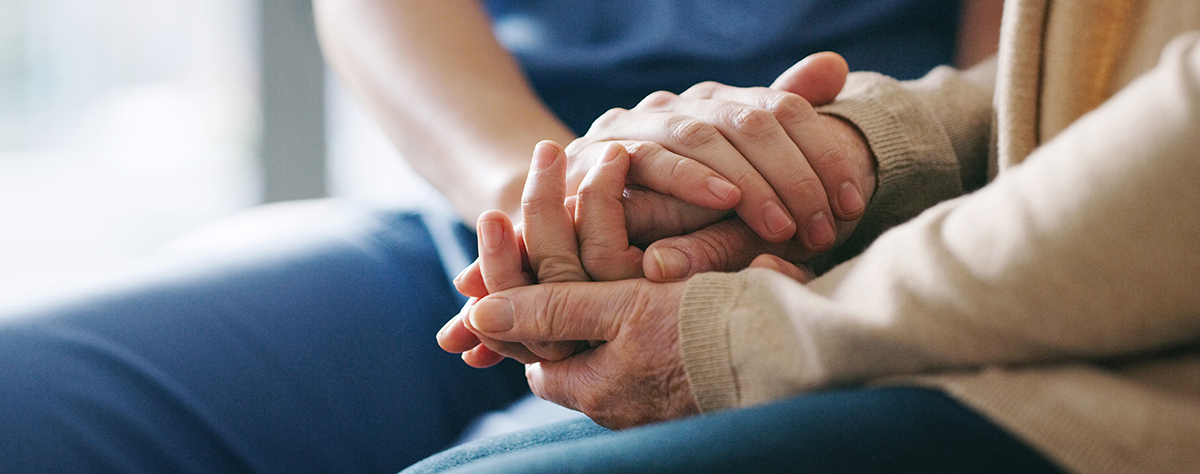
(125, 124)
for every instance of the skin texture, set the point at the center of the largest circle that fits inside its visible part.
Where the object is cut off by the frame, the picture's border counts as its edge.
(604, 203)
(619, 341)
(621, 359)
(605, 213)
(771, 143)
(682, 237)
(609, 349)
(545, 249)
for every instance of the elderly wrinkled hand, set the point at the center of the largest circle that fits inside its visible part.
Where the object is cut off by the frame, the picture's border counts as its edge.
(548, 249)
(635, 376)
(610, 350)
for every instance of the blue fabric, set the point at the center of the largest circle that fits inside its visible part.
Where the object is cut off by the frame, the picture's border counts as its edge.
(874, 430)
(314, 354)
(585, 57)
(317, 353)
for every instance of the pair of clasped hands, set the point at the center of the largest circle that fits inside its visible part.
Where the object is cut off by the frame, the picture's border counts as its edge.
(570, 291)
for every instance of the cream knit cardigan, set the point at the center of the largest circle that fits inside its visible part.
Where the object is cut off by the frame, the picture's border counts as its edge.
(1060, 297)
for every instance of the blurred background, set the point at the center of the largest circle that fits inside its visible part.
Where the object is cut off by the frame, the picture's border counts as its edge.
(125, 124)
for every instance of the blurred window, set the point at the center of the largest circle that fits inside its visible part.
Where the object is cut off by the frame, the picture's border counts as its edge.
(123, 123)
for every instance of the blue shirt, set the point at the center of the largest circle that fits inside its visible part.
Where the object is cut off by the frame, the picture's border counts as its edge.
(585, 57)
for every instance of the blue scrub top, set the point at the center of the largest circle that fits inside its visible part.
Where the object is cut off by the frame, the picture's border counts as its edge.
(585, 57)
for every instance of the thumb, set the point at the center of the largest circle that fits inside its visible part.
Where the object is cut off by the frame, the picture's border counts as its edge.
(726, 246)
(817, 78)
(569, 311)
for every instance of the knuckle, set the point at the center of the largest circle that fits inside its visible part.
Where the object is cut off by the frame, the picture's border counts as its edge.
(505, 282)
(706, 250)
(535, 204)
(598, 249)
(576, 146)
(611, 265)
(828, 155)
(606, 120)
(588, 192)
(690, 133)
(704, 89)
(799, 184)
(679, 170)
(789, 108)
(545, 310)
(558, 268)
(753, 122)
(642, 150)
(597, 189)
(745, 177)
(656, 100)
(716, 251)
(556, 319)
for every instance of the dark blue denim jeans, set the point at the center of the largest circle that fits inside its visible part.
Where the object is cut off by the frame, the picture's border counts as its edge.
(315, 353)
(867, 430)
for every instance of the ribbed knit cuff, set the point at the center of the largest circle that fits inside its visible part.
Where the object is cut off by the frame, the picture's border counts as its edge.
(917, 166)
(704, 322)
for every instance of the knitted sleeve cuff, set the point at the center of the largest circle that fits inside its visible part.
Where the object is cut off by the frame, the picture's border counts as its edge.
(705, 339)
(917, 165)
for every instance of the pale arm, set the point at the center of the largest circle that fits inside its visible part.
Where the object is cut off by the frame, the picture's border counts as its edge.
(452, 100)
(978, 32)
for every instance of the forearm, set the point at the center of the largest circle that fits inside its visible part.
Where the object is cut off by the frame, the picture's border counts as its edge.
(978, 32)
(1084, 252)
(452, 100)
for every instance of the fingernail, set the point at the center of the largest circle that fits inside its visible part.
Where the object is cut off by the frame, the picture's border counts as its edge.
(720, 188)
(820, 231)
(611, 152)
(444, 328)
(492, 315)
(466, 307)
(672, 263)
(491, 234)
(777, 219)
(850, 198)
(459, 277)
(543, 156)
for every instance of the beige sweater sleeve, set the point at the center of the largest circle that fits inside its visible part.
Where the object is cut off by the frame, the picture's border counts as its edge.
(929, 137)
(1086, 251)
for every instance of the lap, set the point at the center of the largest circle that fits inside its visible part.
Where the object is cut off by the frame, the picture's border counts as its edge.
(892, 430)
(314, 352)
